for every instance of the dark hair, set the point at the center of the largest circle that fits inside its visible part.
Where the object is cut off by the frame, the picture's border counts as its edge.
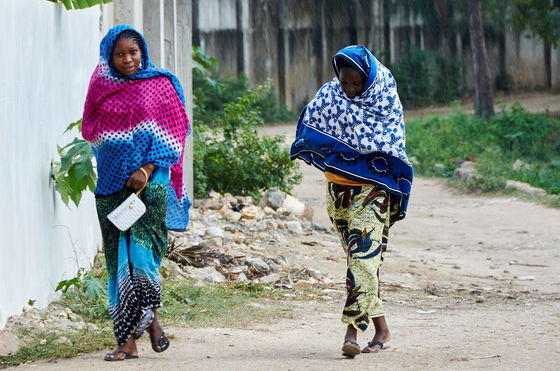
(131, 35)
(343, 63)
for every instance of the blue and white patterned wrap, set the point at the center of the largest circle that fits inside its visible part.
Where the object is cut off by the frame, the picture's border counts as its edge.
(360, 138)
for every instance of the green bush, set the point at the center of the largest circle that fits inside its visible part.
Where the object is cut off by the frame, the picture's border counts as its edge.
(212, 92)
(439, 143)
(230, 156)
(425, 78)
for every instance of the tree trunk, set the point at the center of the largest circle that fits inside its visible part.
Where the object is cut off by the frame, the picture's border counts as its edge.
(548, 65)
(484, 100)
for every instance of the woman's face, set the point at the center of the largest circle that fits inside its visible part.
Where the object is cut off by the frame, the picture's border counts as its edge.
(351, 82)
(126, 56)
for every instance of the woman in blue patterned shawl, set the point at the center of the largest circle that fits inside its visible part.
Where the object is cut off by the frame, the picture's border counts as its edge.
(353, 131)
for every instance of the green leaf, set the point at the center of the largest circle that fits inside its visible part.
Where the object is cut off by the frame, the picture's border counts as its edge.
(77, 124)
(83, 169)
(67, 4)
(80, 4)
(75, 172)
(94, 287)
(64, 285)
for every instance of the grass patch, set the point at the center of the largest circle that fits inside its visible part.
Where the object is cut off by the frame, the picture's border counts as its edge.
(439, 143)
(186, 303)
(45, 345)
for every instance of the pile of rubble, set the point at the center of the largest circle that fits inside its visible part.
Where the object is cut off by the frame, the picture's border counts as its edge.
(233, 239)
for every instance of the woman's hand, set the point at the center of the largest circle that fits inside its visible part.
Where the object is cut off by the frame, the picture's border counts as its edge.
(138, 179)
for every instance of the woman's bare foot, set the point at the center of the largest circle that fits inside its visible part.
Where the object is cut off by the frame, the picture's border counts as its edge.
(126, 351)
(382, 336)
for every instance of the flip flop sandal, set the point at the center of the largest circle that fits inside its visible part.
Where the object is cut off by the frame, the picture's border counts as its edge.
(143, 324)
(161, 344)
(373, 343)
(350, 349)
(111, 357)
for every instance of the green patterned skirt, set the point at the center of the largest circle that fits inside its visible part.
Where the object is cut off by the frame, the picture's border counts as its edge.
(134, 256)
(362, 216)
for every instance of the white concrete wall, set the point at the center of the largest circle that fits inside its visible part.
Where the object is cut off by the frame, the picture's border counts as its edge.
(48, 55)
(217, 15)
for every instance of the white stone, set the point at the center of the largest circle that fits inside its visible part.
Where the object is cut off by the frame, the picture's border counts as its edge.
(283, 211)
(214, 232)
(238, 269)
(271, 278)
(271, 224)
(209, 274)
(214, 194)
(9, 343)
(232, 216)
(521, 165)
(294, 226)
(214, 216)
(466, 172)
(294, 206)
(241, 278)
(213, 242)
(229, 199)
(274, 267)
(525, 187)
(238, 237)
(273, 198)
(257, 263)
(212, 203)
(269, 210)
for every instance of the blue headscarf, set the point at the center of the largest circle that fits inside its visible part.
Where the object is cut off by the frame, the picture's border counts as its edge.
(147, 70)
(361, 59)
(360, 138)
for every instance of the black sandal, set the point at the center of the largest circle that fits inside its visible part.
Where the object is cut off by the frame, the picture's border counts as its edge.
(112, 356)
(373, 343)
(350, 349)
(161, 344)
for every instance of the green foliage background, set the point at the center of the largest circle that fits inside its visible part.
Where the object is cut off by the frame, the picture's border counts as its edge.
(426, 78)
(496, 144)
(229, 153)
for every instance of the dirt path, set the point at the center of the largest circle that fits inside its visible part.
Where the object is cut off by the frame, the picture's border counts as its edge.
(469, 283)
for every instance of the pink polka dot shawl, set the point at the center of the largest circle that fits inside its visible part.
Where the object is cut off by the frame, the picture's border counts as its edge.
(134, 120)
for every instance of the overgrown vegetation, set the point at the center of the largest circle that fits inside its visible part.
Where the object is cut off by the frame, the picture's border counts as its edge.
(425, 78)
(532, 140)
(229, 154)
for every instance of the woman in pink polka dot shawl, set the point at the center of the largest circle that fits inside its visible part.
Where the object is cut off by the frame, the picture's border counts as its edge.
(135, 120)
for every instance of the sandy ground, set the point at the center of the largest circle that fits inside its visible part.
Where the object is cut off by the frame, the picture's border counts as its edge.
(469, 282)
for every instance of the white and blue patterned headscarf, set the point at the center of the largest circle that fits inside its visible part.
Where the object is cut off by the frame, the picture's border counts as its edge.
(360, 138)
